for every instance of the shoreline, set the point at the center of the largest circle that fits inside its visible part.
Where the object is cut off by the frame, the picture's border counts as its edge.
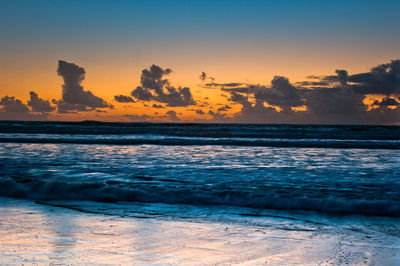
(42, 234)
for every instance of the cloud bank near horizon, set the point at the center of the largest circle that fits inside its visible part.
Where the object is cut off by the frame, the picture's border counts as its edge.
(327, 99)
(341, 98)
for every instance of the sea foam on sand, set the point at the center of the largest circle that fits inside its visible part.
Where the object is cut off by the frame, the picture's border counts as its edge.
(32, 233)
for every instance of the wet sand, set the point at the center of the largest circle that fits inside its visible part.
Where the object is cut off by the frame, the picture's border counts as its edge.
(36, 234)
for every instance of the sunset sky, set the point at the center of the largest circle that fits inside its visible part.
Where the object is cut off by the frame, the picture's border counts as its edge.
(240, 61)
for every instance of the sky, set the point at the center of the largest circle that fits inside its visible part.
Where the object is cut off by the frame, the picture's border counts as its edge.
(201, 61)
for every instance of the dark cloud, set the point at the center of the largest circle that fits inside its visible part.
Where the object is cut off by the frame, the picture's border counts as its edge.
(249, 89)
(241, 99)
(312, 83)
(253, 112)
(123, 99)
(157, 88)
(39, 105)
(224, 108)
(64, 107)
(14, 109)
(137, 118)
(224, 85)
(199, 111)
(218, 117)
(387, 101)
(337, 98)
(142, 94)
(203, 76)
(157, 106)
(328, 99)
(12, 105)
(341, 78)
(332, 105)
(383, 79)
(281, 93)
(336, 105)
(74, 97)
(171, 115)
(314, 77)
(382, 115)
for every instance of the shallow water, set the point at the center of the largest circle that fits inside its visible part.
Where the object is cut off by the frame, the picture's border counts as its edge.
(292, 177)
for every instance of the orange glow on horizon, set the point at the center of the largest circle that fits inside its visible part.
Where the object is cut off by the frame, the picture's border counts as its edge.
(116, 78)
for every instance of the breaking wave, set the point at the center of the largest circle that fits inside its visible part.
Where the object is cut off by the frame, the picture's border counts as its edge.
(114, 191)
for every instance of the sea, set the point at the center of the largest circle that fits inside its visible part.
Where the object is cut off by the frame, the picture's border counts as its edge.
(197, 170)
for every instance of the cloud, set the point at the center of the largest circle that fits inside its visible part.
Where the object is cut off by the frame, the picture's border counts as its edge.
(137, 118)
(241, 99)
(341, 101)
(336, 105)
(340, 78)
(12, 105)
(171, 115)
(253, 112)
(39, 105)
(337, 98)
(74, 97)
(383, 79)
(224, 108)
(157, 88)
(199, 111)
(333, 105)
(312, 83)
(217, 117)
(327, 99)
(123, 99)
(64, 107)
(281, 93)
(248, 89)
(142, 94)
(157, 106)
(14, 109)
(224, 85)
(387, 101)
(203, 76)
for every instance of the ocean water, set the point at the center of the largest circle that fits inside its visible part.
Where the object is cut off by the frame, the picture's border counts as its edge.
(337, 170)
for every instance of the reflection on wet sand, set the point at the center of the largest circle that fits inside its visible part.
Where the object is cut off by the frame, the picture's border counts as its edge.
(61, 234)
(32, 233)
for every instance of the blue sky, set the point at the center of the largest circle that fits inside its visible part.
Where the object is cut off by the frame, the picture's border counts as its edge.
(45, 21)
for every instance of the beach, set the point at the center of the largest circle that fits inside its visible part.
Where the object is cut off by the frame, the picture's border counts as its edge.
(38, 234)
